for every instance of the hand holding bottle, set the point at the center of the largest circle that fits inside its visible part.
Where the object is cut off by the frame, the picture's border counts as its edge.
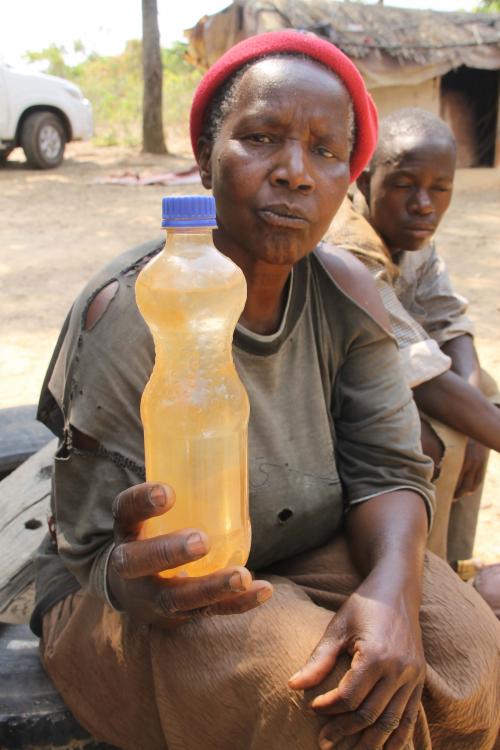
(194, 408)
(133, 582)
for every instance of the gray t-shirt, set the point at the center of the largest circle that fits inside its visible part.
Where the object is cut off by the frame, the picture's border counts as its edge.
(332, 422)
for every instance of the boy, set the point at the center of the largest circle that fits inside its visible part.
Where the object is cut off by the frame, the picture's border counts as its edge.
(406, 190)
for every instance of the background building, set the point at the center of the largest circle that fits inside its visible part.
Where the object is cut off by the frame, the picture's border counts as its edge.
(447, 63)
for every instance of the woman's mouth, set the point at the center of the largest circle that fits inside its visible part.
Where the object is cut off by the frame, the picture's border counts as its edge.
(283, 216)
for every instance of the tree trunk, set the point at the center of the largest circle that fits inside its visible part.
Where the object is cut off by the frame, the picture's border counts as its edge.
(153, 141)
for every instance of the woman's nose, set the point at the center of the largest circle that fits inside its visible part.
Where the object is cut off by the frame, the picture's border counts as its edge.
(292, 167)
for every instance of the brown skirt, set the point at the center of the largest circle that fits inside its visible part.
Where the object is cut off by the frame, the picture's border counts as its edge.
(221, 683)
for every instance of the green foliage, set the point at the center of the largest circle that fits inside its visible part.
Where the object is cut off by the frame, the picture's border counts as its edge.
(114, 86)
(488, 6)
(180, 79)
(54, 57)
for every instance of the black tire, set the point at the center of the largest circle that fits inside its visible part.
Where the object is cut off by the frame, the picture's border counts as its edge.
(43, 139)
(4, 153)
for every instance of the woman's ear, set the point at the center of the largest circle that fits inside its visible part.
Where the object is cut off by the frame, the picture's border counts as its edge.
(204, 159)
(363, 183)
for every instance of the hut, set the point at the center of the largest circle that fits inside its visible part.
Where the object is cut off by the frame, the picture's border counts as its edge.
(447, 63)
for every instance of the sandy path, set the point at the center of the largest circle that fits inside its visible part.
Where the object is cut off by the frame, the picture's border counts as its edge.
(60, 226)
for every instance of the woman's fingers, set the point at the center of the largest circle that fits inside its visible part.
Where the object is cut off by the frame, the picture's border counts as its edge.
(235, 604)
(402, 735)
(137, 559)
(352, 715)
(322, 660)
(374, 721)
(370, 706)
(133, 583)
(363, 679)
(259, 592)
(135, 504)
(185, 595)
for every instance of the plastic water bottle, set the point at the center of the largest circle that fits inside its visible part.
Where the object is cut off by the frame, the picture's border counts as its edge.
(194, 408)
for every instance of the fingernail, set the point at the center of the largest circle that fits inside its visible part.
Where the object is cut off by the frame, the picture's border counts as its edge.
(263, 595)
(236, 582)
(158, 496)
(294, 676)
(325, 745)
(195, 545)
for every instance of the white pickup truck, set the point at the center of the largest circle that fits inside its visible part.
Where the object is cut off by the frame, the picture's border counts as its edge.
(40, 113)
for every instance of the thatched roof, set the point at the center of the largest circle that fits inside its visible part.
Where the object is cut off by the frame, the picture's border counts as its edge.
(389, 45)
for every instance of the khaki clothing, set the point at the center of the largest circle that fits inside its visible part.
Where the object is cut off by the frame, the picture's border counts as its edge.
(455, 521)
(454, 444)
(332, 423)
(220, 683)
(465, 510)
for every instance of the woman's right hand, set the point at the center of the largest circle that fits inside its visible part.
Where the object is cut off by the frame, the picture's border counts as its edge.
(133, 583)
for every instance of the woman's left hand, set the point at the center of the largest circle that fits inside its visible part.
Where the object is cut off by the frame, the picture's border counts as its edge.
(378, 697)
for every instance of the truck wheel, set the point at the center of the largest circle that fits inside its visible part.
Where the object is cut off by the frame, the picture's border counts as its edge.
(4, 153)
(43, 140)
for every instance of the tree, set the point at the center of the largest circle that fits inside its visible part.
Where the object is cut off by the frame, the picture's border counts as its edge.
(153, 141)
(488, 6)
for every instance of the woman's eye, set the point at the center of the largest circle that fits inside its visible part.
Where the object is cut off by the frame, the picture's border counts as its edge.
(325, 152)
(441, 188)
(401, 185)
(260, 138)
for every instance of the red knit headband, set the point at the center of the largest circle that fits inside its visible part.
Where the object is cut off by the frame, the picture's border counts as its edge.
(318, 49)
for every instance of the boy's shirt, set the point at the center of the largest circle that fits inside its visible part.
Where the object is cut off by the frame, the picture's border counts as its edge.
(424, 289)
(416, 291)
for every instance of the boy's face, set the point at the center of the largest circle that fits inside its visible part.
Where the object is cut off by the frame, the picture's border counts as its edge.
(410, 190)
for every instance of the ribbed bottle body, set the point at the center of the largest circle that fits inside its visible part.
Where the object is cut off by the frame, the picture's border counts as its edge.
(194, 408)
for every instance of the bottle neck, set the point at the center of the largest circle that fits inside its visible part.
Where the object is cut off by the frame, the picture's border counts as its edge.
(185, 238)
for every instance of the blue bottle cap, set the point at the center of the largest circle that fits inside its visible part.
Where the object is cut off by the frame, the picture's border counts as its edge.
(188, 211)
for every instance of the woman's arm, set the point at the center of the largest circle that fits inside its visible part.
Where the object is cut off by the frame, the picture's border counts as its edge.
(389, 500)
(378, 627)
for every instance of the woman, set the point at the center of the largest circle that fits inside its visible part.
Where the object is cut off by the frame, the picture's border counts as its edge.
(145, 662)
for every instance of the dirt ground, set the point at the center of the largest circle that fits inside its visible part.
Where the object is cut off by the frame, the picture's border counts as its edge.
(59, 226)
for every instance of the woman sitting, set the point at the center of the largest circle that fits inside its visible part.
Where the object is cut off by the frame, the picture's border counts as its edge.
(389, 648)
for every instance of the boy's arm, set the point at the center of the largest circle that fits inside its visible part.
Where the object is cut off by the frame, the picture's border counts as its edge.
(464, 359)
(450, 399)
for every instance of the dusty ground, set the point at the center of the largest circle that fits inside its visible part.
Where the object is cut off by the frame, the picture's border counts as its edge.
(59, 226)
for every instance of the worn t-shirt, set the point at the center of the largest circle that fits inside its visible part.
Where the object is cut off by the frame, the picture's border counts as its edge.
(424, 288)
(332, 422)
